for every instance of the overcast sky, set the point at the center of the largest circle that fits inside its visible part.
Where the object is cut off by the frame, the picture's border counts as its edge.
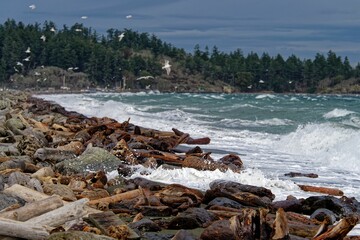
(300, 27)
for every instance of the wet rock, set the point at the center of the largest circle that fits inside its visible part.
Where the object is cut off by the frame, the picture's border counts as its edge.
(93, 159)
(156, 211)
(4, 104)
(77, 235)
(244, 194)
(192, 218)
(225, 202)
(290, 204)
(145, 225)
(341, 207)
(219, 230)
(178, 196)
(233, 162)
(145, 183)
(322, 213)
(297, 174)
(2, 183)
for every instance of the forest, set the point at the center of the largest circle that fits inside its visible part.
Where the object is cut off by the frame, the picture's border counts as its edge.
(44, 55)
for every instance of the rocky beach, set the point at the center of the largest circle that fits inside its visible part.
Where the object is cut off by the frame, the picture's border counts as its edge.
(53, 184)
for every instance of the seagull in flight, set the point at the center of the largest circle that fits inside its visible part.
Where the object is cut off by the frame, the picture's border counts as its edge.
(43, 38)
(27, 59)
(52, 29)
(261, 81)
(32, 6)
(128, 16)
(84, 17)
(167, 67)
(28, 50)
(19, 64)
(121, 36)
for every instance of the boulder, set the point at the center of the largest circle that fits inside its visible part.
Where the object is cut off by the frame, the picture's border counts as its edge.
(92, 159)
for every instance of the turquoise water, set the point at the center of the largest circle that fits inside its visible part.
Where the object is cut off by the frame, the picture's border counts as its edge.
(273, 134)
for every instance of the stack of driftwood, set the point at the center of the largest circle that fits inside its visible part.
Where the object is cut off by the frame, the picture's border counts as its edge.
(53, 185)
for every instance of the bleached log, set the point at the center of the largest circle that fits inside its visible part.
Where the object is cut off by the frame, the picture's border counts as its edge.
(57, 217)
(34, 209)
(340, 230)
(30, 195)
(25, 193)
(18, 229)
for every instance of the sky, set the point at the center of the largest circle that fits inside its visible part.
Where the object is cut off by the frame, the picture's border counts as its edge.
(300, 27)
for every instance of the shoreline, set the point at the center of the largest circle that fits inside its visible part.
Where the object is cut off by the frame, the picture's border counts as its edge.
(42, 135)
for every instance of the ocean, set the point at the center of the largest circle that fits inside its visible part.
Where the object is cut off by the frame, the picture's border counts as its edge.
(273, 134)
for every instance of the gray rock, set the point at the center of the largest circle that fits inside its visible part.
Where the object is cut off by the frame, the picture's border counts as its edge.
(9, 149)
(4, 104)
(7, 200)
(93, 159)
(183, 235)
(59, 189)
(53, 155)
(18, 178)
(15, 162)
(15, 125)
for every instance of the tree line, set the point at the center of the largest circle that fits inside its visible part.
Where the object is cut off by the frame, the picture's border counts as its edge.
(108, 58)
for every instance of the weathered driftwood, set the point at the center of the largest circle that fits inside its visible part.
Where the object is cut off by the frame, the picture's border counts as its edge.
(18, 229)
(340, 230)
(59, 216)
(34, 209)
(27, 194)
(118, 197)
(280, 225)
(325, 190)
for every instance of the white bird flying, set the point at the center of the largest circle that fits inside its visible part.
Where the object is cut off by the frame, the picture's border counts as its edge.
(167, 67)
(128, 16)
(19, 64)
(121, 36)
(84, 17)
(32, 6)
(28, 50)
(43, 38)
(52, 29)
(78, 30)
(261, 81)
(26, 59)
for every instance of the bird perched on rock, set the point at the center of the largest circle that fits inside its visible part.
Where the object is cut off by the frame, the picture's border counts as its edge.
(167, 67)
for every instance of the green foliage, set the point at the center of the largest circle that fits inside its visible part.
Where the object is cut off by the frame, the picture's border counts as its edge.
(106, 60)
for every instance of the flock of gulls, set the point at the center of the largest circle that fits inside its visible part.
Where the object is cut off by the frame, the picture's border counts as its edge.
(166, 66)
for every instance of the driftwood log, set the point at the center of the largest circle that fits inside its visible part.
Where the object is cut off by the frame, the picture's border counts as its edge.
(22, 230)
(325, 190)
(118, 197)
(34, 209)
(59, 216)
(340, 230)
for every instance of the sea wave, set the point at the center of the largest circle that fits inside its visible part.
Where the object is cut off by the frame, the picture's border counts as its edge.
(337, 113)
(328, 143)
